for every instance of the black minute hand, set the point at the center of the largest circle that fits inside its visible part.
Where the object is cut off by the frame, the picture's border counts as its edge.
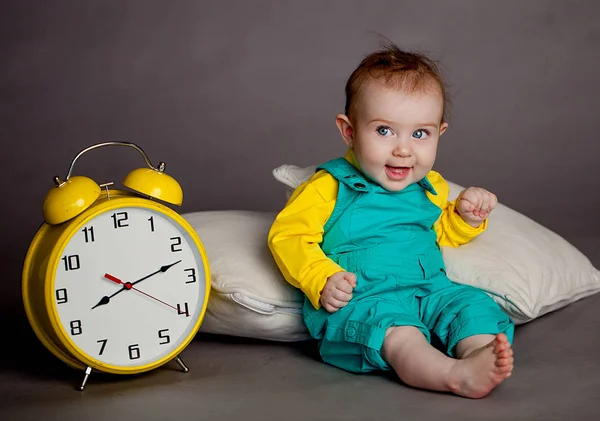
(162, 269)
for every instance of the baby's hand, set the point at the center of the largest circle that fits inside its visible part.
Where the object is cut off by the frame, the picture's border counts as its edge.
(338, 291)
(475, 204)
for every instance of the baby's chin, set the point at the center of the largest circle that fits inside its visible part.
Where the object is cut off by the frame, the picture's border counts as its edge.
(395, 185)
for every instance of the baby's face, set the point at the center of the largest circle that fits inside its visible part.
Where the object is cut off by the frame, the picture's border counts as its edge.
(395, 135)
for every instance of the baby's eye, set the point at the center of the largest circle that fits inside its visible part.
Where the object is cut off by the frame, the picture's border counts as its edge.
(420, 134)
(384, 131)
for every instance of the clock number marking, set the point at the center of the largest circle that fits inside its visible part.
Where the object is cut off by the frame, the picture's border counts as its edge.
(186, 312)
(166, 337)
(134, 351)
(175, 244)
(88, 231)
(192, 275)
(102, 346)
(119, 219)
(76, 327)
(61, 296)
(71, 262)
(151, 219)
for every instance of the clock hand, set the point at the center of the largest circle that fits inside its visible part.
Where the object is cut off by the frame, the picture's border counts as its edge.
(128, 285)
(106, 299)
(154, 298)
(162, 269)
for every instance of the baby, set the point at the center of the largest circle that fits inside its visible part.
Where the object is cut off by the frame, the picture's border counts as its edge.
(362, 240)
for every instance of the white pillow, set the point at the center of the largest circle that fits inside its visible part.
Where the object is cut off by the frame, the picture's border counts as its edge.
(526, 268)
(249, 297)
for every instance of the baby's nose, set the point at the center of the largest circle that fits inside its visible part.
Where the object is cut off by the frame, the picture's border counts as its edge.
(402, 150)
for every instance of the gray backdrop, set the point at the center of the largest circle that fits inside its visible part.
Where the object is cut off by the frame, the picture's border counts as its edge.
(224, 91)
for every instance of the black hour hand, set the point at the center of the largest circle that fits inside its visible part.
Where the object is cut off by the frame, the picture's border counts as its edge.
(104, 300)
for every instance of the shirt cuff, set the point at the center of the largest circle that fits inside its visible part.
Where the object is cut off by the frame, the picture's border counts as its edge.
(459, 225)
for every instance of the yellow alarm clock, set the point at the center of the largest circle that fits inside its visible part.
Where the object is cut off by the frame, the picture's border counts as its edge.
(115, 281)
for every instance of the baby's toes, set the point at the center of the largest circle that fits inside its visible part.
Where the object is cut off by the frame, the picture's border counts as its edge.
(503, 362)
(507, 353)
(501, 343)
(504, 369)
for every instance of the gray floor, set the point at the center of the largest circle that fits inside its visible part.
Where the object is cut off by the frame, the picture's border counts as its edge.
(557, 377)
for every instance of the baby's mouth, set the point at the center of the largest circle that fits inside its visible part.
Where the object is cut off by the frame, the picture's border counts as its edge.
(397, 173)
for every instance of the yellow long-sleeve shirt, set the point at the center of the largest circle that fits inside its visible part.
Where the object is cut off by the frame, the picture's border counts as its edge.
(297, 232)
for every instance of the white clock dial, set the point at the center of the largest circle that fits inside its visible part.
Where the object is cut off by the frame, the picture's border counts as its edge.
(129, 287)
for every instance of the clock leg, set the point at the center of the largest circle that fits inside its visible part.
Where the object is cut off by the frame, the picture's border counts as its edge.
(88, 371)
(181, 364)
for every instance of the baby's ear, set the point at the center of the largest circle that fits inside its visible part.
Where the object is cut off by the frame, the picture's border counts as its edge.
(443, 128)
(345, 127)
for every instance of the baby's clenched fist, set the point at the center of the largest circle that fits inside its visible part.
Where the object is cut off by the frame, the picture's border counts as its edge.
(337, 292)
(475, 204)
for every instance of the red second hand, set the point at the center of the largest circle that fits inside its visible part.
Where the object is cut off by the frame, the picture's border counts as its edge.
(128, 286)
(154, 298)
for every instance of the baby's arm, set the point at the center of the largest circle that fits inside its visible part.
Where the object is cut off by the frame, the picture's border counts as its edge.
(451, 229)
(296, 234)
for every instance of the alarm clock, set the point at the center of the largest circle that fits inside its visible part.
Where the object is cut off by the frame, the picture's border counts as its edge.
(115, 281)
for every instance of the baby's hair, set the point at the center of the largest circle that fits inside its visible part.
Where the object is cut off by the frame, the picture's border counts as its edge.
(404, 70)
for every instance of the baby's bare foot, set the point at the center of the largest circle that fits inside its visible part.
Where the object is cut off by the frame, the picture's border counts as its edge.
(482, 370)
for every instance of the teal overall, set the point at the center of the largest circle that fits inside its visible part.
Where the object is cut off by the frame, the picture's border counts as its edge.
(387, 239)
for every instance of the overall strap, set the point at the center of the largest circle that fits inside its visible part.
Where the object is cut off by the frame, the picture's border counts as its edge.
(346, 173)
(351, 183)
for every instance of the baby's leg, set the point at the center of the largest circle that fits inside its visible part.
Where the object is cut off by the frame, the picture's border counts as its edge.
(468, 345)
(416, 362)
(420, 365)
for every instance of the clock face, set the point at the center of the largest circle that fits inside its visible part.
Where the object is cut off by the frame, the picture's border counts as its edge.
(129, 287)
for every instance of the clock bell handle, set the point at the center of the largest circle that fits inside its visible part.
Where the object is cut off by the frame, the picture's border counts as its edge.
(160, 168)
